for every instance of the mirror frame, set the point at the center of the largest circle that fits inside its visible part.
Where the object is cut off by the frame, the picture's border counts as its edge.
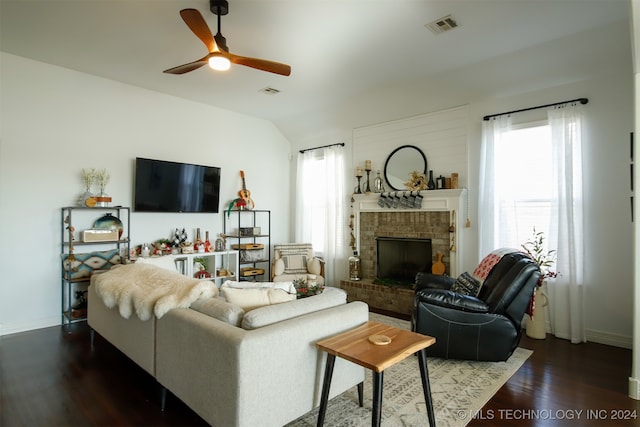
(386, 164)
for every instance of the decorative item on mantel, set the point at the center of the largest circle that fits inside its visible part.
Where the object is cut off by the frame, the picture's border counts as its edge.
(357, 190)
(417, 181)
(431, 185)
(378, 184)
(367, 168)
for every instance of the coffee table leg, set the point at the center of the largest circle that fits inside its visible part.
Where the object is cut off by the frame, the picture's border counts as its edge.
(326, 385)
(376, 413)
(426, 388)
(361, 394)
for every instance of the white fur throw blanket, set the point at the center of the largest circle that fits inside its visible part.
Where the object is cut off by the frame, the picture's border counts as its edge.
(149, 290)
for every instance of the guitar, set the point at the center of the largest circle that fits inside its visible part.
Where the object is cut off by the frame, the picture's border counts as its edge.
(245, 194)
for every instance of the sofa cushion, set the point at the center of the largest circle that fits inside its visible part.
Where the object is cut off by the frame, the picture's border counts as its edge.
(276, 313)
(250, 299)
(219, 309)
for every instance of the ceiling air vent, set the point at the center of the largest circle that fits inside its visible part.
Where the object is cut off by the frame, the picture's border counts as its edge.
(270, 90)
(441, 25)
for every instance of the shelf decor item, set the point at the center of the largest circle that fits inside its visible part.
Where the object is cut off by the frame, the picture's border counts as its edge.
(102, 178)
(109, 222)
(88, 179)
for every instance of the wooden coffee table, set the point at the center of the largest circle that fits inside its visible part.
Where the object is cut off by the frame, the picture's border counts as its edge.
(357, 347)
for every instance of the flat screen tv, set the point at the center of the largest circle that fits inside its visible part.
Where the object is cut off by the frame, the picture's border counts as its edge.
(163, 186)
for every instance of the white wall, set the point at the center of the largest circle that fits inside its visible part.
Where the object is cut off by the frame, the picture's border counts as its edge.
(55, 121)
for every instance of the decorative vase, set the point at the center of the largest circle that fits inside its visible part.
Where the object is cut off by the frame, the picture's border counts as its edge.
(378, 185)
(109, 222)
(537, 327)
(431, 185)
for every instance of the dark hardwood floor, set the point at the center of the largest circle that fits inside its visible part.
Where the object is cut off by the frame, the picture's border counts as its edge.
(50, 377)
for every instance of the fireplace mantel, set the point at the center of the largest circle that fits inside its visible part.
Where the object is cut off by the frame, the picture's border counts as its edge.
(433, 201)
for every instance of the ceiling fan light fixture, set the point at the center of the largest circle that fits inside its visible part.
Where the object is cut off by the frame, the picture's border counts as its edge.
(219, 62)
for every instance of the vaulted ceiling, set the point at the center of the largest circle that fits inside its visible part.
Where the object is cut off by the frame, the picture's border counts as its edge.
(344, 54)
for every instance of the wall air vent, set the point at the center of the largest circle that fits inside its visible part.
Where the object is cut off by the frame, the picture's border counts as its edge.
(270, 90)
(441, 25)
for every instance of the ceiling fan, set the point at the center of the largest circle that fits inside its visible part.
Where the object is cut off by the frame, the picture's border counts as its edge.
(219, 57)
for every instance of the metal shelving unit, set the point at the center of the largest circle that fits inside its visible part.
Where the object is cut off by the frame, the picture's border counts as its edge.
(241, 229)
(71, 218)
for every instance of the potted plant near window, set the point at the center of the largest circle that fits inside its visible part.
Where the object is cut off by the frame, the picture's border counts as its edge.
(536, 321)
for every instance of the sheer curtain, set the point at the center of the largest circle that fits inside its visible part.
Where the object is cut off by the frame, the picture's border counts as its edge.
(493, 132)
(566, 299)
(566, 295)
(320, 203)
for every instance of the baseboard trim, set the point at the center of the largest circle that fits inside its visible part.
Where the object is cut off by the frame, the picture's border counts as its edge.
(634, 388)
(14, 328)
(607, 338)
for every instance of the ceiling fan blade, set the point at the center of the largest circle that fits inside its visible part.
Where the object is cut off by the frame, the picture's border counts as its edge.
(194, 20)
(185, 68)
(261, 64)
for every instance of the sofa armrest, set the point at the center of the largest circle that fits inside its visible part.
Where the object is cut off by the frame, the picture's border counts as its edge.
(428, 280)
(450, 299)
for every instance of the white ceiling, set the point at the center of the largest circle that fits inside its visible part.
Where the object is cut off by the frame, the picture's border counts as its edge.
(339, 50)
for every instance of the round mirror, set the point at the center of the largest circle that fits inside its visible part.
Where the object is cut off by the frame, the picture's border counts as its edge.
(400, 163)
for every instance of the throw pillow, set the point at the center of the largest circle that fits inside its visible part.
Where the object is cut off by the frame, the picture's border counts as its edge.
(314, 266)
(219, 309)
(278, 267)
(466, 284)
(295, 264)
(86, 264)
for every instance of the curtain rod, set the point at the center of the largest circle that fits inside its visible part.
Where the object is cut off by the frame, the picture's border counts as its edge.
(581, 100)
(323, 146)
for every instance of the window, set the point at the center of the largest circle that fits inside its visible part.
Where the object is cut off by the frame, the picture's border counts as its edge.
(523, 183)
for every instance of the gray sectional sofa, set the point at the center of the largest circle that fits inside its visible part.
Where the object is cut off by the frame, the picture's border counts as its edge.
(259, 368)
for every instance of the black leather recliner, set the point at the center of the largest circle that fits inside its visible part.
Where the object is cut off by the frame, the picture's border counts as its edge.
(486, 327)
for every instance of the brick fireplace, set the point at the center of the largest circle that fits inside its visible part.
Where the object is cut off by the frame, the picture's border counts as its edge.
(440, 210)
(406, 223)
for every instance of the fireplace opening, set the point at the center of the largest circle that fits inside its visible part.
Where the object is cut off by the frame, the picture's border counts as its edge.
(399, 259)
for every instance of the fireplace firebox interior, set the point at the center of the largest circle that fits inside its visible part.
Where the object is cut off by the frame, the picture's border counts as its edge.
(399, 259)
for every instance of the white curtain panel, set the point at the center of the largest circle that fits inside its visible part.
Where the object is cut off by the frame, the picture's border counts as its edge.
(320, 202)
(566, 294)
(566, 299)
(493, 131)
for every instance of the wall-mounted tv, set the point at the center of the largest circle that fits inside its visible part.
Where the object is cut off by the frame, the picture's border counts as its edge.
(163, 186)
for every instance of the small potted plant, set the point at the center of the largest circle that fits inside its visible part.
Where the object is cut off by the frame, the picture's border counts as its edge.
(305, 289)
(545, 259)
(536, 325)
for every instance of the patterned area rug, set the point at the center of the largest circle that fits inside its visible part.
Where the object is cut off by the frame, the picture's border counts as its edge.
(459, 390)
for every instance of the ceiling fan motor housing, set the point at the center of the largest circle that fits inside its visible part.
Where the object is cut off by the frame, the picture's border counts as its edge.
(219, 7)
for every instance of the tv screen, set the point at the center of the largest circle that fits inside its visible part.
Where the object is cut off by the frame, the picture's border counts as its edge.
(163, 186)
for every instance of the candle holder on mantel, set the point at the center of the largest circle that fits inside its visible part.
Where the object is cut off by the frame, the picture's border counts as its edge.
(367, 168)
(359, 177)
